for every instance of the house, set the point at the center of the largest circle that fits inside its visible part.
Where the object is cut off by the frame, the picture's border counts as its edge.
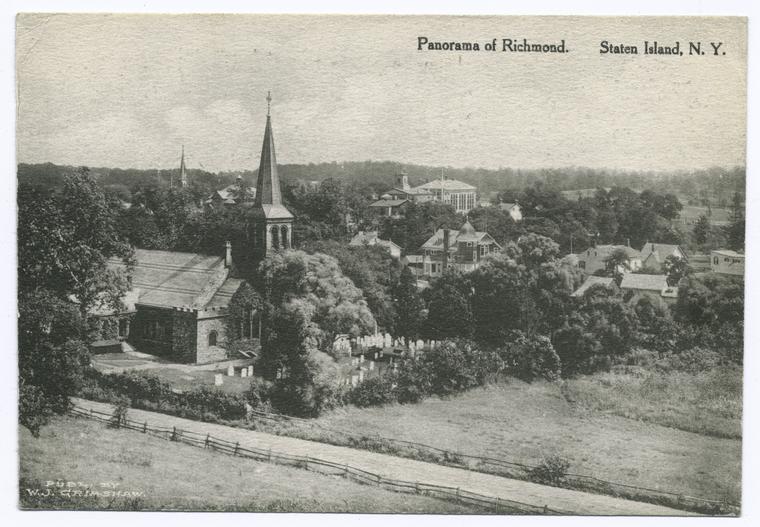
(462, 196)
(179, 304)
(371, 238)
(415, 263)
(653, 255)
(594, 259)
(390, 207)
(636, 285)
(592, 281)
(513, 209)
(464, 249)
(230, 195)
(724, 261)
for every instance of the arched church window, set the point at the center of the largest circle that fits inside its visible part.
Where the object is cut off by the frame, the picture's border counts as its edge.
(284, 236)
(275, 237)
(212, 336)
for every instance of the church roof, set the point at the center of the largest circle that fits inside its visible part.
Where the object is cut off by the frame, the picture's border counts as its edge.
(170, 279)
(268, 195)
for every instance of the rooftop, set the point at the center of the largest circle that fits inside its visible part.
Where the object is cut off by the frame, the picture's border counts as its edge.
(174, 279)
(446, 184)
(592, 281)
(644, 282)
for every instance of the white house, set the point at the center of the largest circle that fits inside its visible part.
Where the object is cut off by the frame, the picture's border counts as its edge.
(653, 255)
(725, 261)
(371, 238)
(594, 259)
(514, 210)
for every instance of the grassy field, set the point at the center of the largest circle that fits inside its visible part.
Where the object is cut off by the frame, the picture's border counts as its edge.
(173, 476)
(603, 430)
(707, 403)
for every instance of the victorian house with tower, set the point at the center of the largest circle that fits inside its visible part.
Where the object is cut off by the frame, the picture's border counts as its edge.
(179, 303)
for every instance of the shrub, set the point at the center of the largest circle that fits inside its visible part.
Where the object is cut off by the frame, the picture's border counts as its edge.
(376, 391)
(531, 357)
(119, 417)
(550, 470)
(694, 360)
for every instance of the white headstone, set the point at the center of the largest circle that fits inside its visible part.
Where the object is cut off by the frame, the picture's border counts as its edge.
(361, 375)
(388, 340)
(361, 358)
(375, 355)
(244, 372)
(371, 365)
(412, 347)
(250, 370)
(218, 379)
(419, 344)
(230, 371)
(354, 380)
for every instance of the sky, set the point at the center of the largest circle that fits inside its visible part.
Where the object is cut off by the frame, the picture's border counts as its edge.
(130, 90)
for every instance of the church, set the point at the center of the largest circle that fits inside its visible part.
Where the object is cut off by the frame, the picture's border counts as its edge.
(178, 307)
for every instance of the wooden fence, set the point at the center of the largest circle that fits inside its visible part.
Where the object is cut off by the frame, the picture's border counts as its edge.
(523, 471)
(495, 504)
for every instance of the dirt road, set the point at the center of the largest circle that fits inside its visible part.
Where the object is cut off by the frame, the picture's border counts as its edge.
(569, 501)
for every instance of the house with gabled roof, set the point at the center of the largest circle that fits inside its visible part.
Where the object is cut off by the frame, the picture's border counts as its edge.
(595, 258)
(463, 249)
(634, 285)
(653, 255)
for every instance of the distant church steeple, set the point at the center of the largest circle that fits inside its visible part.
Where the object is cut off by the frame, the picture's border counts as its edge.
(182, 169)
(273, 222)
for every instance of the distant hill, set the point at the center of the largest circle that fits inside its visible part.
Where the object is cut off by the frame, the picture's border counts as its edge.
(715, 185)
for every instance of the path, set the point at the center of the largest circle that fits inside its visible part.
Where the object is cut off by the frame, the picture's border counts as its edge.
(570, 501)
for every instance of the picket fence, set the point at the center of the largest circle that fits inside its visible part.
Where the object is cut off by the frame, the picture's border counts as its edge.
(495, 504)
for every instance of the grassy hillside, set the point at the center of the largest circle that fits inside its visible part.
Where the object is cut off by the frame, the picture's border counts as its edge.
(611, 430)
(173, 476)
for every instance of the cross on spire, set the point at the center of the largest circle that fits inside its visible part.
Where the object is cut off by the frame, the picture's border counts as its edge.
(269, 101)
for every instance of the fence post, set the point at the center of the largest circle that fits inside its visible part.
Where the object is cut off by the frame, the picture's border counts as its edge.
(546, 509)
(205, 444)
(269, 455)
(174, 434)
(307, 463)
(145, 427)
(237, 445)
(417, 487)
(498, 504)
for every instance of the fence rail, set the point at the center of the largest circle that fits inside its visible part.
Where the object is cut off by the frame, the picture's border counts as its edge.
(499, 505)
(522, 471)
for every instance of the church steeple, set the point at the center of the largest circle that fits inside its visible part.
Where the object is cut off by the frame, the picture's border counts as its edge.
(182, 169)
(268, 183)
(273, 221)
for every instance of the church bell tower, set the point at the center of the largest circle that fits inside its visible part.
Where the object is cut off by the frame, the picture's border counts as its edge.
(273, 223)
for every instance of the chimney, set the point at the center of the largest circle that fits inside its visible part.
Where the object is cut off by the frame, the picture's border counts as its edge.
(445, 263)
(228, 254)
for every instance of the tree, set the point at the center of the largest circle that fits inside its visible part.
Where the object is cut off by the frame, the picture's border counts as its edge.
(701, 230)
(66, 239)
(316, 280)
(675, 268)
(617, 263)
(449, 311)
(735, 229)
(409, 306)
(51, 357)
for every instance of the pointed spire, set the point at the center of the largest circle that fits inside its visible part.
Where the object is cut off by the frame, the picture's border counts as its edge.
(268, 195)
(182, 169)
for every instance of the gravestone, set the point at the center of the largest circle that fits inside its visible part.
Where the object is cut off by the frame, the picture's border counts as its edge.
(250, 370)
(218, 379)
(244, 372)
(230, 371)
(371, 365)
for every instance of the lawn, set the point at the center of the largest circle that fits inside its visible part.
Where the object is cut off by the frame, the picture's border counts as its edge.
(523, 422)
(173, 476)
